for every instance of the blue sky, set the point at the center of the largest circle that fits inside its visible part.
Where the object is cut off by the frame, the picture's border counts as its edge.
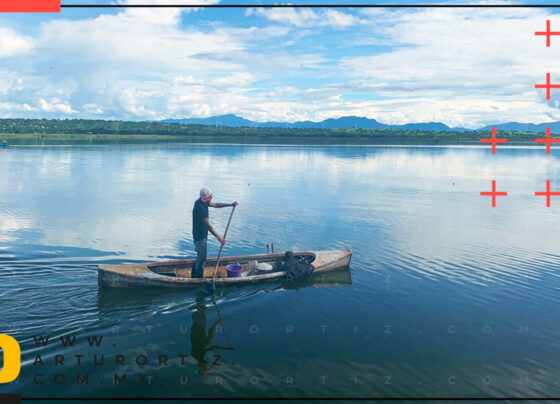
(463, 67)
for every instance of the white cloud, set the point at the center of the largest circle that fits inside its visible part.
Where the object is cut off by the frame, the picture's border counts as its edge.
(6, 108)
(186, 80)
(236, 79)
(91, 109)
(134, 41)
(481, 64)
(55, 105)
(125, 64)
(13, 44)
(339, 20)
(138, 102)
(10, 82)
(306, 17)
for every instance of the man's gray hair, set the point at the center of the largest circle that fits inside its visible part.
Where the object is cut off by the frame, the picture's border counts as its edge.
(205, 193)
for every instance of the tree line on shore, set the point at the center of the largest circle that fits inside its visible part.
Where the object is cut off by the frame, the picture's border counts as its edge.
(92, 127)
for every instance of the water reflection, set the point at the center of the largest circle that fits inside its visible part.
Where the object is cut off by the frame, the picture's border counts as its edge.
(201, 338)
(151, 301)
(428, 254)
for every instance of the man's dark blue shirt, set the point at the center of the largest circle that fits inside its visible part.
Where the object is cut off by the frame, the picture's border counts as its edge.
(200, 212)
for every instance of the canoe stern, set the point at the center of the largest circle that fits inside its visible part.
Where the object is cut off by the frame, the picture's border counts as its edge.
(329, 260)
(122, 275)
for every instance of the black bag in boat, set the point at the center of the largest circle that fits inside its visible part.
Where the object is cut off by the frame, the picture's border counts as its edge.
(295, 267)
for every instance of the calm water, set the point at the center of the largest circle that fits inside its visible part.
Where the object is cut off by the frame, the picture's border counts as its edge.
(445, 295)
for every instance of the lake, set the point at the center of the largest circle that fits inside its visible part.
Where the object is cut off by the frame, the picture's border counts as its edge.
(445, 297)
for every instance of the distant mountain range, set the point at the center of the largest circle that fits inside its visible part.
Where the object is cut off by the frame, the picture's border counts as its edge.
(347, 122)
(526, 127)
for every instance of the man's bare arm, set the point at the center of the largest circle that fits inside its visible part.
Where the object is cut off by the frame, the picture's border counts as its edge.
(222, 205)
(211, 230)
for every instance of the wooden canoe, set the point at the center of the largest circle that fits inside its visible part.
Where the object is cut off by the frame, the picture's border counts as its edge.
(177, 273)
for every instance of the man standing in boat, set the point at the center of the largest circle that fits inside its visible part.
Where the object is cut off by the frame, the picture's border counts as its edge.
(201, 226)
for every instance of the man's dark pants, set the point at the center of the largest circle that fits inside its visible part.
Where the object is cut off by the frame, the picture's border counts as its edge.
(198, 266)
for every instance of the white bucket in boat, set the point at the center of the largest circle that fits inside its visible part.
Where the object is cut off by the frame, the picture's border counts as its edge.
(264, 267)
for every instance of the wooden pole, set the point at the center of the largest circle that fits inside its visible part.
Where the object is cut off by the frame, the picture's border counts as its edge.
(220, 253)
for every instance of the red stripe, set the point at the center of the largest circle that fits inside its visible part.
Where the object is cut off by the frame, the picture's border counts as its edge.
(29, 6)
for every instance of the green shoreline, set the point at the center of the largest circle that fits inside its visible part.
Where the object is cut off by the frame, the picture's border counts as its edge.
(86, 131)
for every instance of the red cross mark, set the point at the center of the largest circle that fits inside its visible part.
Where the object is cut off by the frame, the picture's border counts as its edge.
(548, 193)
(493, 140)
(493, 194)
(548, 33)
(548, 140)
(548, 86)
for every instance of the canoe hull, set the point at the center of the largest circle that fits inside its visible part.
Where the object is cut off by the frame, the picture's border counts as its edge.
(152, 274)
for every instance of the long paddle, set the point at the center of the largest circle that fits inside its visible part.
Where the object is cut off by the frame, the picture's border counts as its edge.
(213, 284)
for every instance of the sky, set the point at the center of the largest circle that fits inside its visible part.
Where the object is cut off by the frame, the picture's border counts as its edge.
(463, 67)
